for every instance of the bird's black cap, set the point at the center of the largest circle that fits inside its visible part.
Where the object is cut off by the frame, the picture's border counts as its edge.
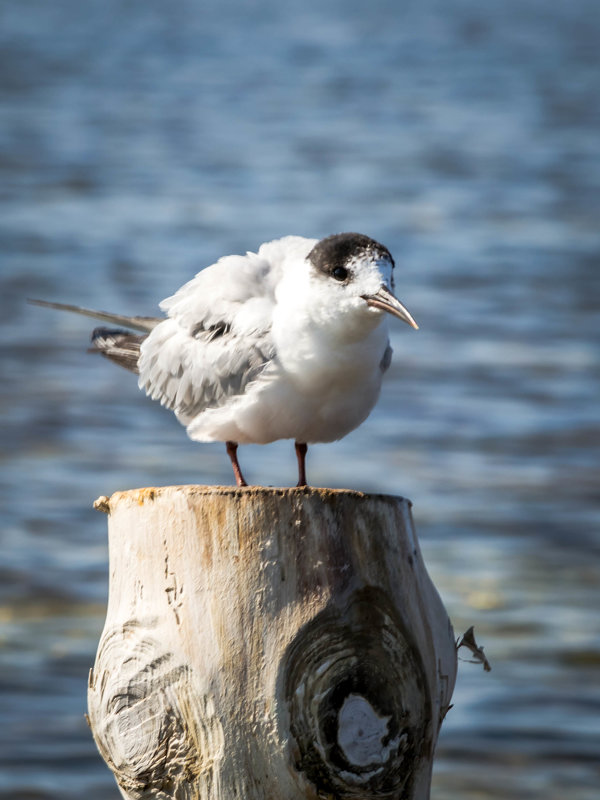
(337, 250)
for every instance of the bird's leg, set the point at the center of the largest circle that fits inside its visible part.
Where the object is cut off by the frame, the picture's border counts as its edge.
(301, 449)
(232, 453)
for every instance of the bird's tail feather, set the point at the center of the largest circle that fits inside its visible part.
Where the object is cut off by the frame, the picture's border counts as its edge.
(145, 324)
(122, 347)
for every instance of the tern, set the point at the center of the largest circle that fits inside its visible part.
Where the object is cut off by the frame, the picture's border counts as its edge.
(290, 342)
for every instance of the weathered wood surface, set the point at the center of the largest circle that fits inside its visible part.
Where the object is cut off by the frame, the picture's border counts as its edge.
(269, 643)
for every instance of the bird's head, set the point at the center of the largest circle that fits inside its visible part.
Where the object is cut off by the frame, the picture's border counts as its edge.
(356, 274)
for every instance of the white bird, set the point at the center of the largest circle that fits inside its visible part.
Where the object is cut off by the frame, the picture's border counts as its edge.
(290, 342)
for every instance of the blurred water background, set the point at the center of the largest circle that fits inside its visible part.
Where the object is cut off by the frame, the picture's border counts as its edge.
(139, 141)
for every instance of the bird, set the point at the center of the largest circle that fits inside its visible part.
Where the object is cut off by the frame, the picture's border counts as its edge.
(289, 342)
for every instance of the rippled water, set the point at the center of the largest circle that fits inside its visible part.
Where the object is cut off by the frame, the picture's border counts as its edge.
(139, 142)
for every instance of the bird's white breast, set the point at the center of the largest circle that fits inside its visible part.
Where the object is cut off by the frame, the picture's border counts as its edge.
(328, 372)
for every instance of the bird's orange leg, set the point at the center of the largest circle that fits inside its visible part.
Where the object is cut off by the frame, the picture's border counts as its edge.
(232, 453)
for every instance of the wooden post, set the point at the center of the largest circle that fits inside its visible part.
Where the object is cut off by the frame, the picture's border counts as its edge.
(269, 643)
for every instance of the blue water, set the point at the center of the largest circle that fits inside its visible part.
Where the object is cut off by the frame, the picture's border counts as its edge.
(139, 141)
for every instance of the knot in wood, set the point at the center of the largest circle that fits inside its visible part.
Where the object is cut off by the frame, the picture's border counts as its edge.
(359, 708)
(154, 728)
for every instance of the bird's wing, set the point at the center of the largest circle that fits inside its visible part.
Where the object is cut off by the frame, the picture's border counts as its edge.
(217, 339)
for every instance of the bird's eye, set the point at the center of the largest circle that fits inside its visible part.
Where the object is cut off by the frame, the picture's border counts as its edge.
(340, 273)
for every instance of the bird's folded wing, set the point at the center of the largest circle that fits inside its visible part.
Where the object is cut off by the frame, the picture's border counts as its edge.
(217, 339)
(192, 373)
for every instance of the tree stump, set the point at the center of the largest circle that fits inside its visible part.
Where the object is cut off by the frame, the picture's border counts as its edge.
(269, 643)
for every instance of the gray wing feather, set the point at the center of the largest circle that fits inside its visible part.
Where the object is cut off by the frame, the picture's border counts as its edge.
(217, 338)
(122, 347)
(190, 374)
(385, 362)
